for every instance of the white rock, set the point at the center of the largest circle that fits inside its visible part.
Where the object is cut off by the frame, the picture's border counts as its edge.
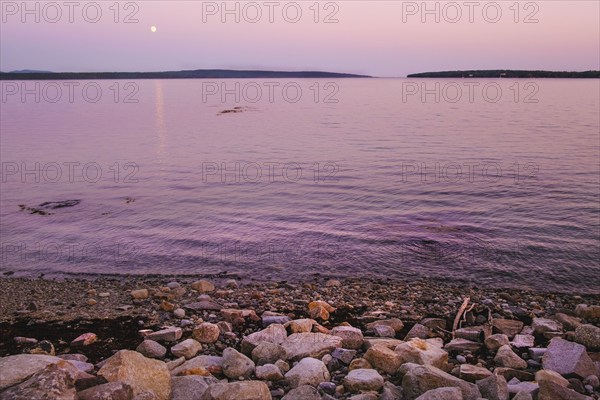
(274, 333)
(422, 352)
(359, 380)
(308, 371)
(316, 345)
(188, 349)
(171, 334)
(269, 372)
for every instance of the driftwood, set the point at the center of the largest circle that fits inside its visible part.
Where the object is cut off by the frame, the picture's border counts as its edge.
(460, 313)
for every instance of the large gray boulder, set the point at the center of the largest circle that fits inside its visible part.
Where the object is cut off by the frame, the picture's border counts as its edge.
(418, 379)
(568, 359)
(54, 382)
(16, 369)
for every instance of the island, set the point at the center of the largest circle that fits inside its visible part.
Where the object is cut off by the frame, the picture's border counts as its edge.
(506, 73)
(186, 74)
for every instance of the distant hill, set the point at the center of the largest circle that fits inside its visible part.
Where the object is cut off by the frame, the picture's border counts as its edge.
(30, 71)
(192, 74)
(506, 73)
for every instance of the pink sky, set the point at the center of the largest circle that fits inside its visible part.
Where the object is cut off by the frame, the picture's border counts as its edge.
(385, 38)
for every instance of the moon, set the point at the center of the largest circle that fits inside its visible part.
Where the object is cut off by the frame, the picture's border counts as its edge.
(153, 28)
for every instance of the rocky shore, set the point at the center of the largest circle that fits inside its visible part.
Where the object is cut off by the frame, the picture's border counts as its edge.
(219, 338)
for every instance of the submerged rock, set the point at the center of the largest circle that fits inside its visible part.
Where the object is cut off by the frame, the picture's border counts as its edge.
(53, 205)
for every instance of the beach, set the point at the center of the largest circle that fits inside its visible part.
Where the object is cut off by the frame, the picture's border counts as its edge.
(321, 329)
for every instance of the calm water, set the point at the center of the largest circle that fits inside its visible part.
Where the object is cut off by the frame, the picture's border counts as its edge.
(380, 182)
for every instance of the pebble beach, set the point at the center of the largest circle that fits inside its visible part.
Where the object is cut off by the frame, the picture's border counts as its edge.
(223, 338)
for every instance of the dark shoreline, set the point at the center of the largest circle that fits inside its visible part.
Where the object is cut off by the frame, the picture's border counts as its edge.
(407, 279)
(192, 74)
(52, 295)
(508, 73)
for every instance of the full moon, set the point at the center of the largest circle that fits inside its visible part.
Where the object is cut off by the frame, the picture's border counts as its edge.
(153, 28)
